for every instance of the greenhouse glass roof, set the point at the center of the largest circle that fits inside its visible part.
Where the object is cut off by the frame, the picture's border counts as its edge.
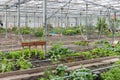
(55, 7)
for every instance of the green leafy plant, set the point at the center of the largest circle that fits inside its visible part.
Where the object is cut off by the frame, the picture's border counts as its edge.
(112, 74)
(13, 55)
(2, 30)
(24, 30)
(81, 74)
(58, 52)
(102, 42)
(81, 43)
(1, 55)
(114, 28)
(69, 32)
(101, 25)
(23, 64)
(38, 32)
(10, 66)
(60, 73)
(49, 27)
(87, 55)
(61, 70)
(48, 74)
(14, 28)
(6, 65)
(117, 63)
(37, 53)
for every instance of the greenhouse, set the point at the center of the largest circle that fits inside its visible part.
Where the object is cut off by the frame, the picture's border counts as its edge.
(59, 39)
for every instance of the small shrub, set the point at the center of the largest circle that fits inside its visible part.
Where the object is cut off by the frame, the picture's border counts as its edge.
(58, 52)
(23, 30)
(69, 32)
(38, 32)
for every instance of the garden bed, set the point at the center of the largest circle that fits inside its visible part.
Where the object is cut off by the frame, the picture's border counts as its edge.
(39, 71)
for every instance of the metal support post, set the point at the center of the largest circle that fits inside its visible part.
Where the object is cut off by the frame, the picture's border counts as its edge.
(26, 20)
(58, 21)
(61, 17)
(80, 18)
(66, 20)
(19, 34)
(100, 26)
(29, 20)
(34, 21)
(38, 21)
(41, 22)
(6, 25)
(14, 21)
(109, 17)
(45, 22)
(26, 17)
(76, 20)
(87, 37)
(114, 27)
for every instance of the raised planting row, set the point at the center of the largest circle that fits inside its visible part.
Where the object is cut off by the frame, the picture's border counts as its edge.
(57, 54)
(31, 74)
(112, 74)
(62, 73)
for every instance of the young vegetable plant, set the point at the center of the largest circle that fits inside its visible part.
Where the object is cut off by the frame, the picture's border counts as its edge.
(48, 74)
(6, 65)
(59, 73)
(61, 70)
(113, 74)
(81, 74)
(58, 52)
(14, 55)
(23, 64)
(81, 43)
